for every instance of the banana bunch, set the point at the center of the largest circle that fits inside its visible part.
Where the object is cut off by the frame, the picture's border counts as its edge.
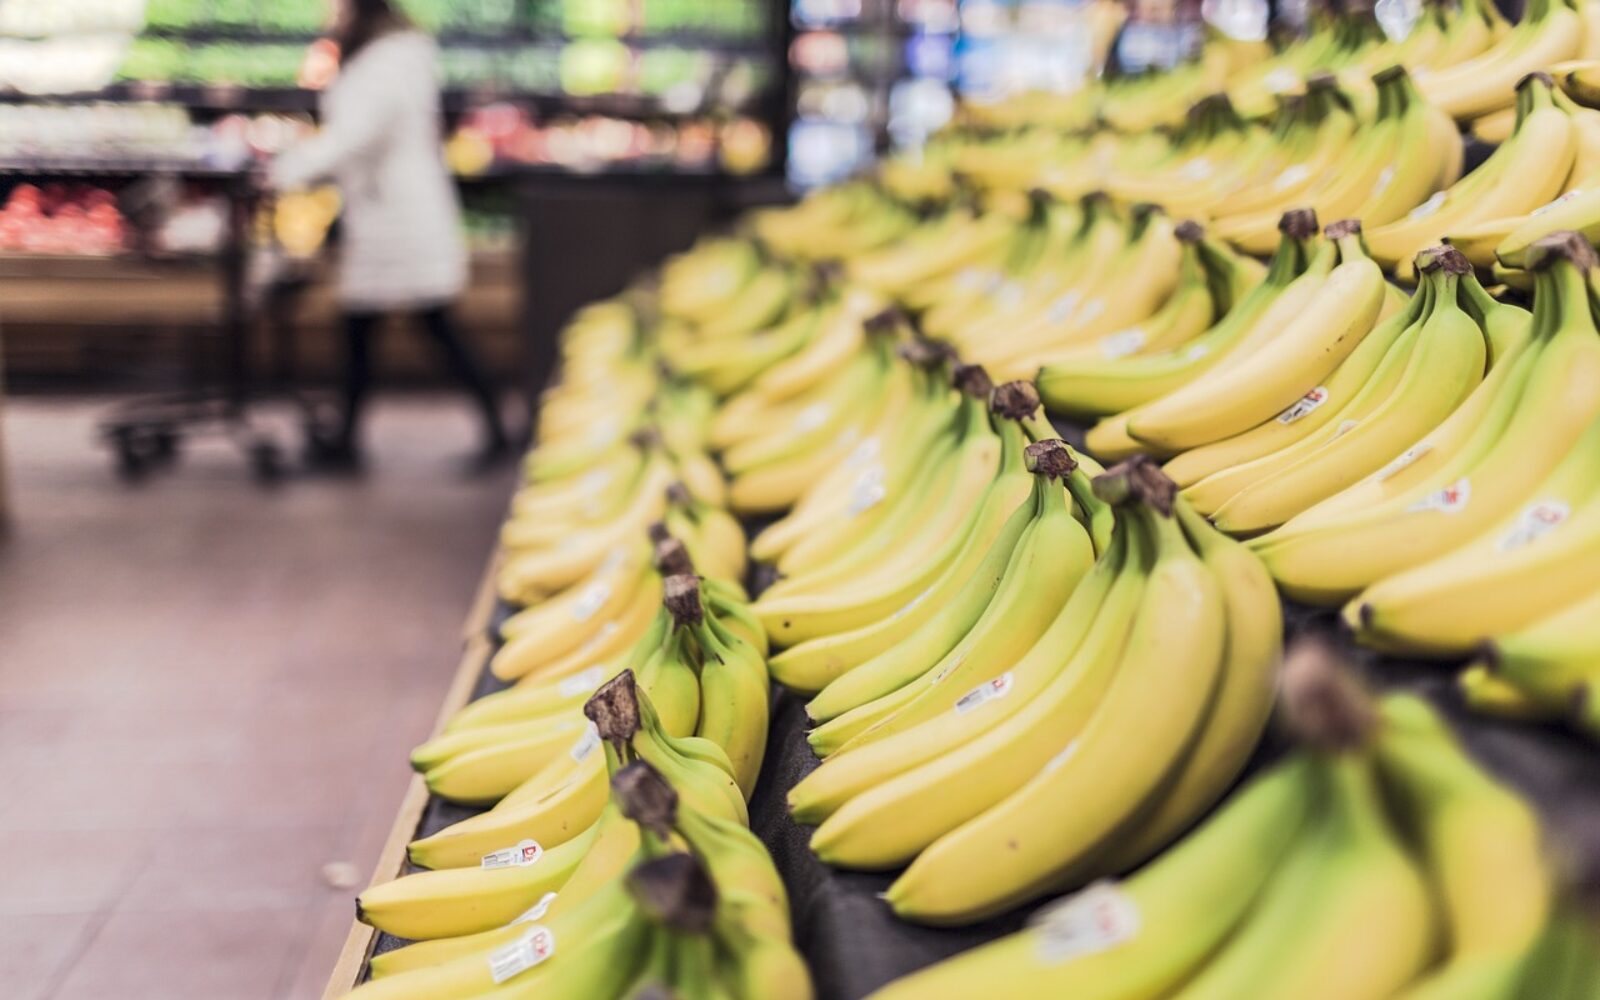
(1376, 861)
(1468, 479)
(1342, 40)
(1024, 158)
(1529, 170)
(693, 657)
(801, 417)
(1375, 170)
(847, 517)
(1041, 228)
(1312, 325)
(1550, 32)
(580, 570)
(1159, 289)
(897, 577)
(833, 223)
(667, 883)
(1017, 763)
(1211, 279)
(1503, 243)
(1544, 670)
(942, 250)
(1040, 554)
(1111, 385)
(1400, 382)
(615, 437)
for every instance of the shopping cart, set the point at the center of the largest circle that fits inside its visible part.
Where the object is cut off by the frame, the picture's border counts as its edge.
(261, 283)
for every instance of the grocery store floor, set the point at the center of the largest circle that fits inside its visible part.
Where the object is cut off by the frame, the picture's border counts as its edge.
(207, 694)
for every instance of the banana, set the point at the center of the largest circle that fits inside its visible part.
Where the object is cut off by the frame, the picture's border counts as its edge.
(524, 658)
(606, 922)
(1564, 965)
(1445, 365)
(1146, 271)
(461, 901)
(1491, 695)
(1532, 559)
(1009, 575)
(937, 251)
(1481, 844)
(1472, 426)
(925, 730)
(842, 512)
(1375, 361)
(1527, 171)
(793, 618)
(1550, 32)
(1151, 712)
(554, 816)
(885, 801)
(1426, 157)
(1547, 661)
(1238, 715)
(1337, 556)
(494, 761)
(1237, 398)
(733, 694)
(1145, 936)
(1038, 573)
(1090, 388)
(1029, 604)
(1348, 918)
(1111, 439)
(695, 284)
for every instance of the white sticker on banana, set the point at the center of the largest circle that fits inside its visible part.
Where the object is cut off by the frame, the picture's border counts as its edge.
(1536, 520)
(591, 600)
(1123, 343)
(536, 911)
(527, 852)
(1547, 206)
(1450, 500)
(532, 948)
(984, 693)
(581, 683)
(1405, 460)
(812, 417)
(1304, 406)
(1062, 307)
(1091, 920)
(1384, 177)
(1427, 208)
(868, 491)
(587, 744)
(1291, 176)
(1091, 311)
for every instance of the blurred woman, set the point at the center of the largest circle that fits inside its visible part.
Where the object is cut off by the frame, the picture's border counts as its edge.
(403, 249)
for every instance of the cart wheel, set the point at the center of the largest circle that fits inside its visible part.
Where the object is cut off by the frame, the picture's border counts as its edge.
(132, 463)
(163, 446)
(266, 461)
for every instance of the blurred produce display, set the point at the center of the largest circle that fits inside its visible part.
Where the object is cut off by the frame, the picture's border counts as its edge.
(157, 134)
(874, 75)
(641, 83)
(61, 219)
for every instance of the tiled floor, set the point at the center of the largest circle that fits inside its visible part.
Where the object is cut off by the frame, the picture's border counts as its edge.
(207, 693)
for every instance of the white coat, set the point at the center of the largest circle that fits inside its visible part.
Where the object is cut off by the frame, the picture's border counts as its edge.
(380, 142)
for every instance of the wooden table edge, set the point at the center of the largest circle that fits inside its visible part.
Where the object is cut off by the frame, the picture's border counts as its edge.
(359, 942)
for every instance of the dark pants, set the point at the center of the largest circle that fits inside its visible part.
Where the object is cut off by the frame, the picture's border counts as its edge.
(453, 351)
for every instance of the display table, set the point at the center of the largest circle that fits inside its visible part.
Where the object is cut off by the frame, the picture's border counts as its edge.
(853, 942)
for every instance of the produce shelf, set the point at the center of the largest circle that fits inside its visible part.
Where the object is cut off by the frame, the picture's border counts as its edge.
(849, 937)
